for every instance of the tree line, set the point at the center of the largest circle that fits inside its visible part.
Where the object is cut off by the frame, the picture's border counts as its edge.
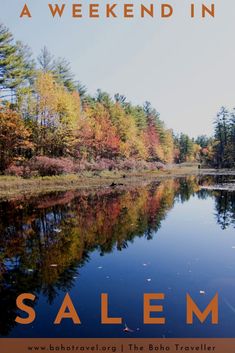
(49, 122)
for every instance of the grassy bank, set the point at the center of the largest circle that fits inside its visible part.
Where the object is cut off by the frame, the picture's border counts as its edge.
(16, 186)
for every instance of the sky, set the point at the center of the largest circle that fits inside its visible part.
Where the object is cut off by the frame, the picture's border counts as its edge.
(183, 66)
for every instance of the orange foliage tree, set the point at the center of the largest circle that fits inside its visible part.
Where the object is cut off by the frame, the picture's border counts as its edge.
(14, 138)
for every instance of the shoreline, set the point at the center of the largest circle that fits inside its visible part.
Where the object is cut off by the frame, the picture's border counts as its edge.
(11, 187)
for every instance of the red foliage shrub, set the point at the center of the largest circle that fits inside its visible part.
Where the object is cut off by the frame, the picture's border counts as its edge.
(127, 164)
(15, 170)
(51, 166)
(45, 166)
(98, 165)
(103, 164)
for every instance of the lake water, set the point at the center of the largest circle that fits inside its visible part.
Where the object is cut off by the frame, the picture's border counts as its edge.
(169, 237)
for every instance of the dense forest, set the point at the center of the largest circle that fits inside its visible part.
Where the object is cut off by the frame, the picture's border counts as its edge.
(49, 124)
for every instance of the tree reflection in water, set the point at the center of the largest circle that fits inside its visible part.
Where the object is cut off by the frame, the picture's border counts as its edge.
(44, 241)
(225, 208)
(224, 199)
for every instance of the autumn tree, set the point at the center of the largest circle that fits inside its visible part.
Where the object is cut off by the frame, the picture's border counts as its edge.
(57, 116)
(131, 137)
(14, 138)
(97, 137)
(168, 146)
(59, 68)
(152, 137)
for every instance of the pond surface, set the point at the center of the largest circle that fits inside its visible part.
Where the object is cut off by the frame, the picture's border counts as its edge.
(171, 237)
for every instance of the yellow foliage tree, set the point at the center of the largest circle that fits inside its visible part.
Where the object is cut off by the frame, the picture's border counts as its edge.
(58, 114)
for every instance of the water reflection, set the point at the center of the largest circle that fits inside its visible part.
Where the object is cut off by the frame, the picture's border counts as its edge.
(45, 241)
(224, 199)
(225, 208)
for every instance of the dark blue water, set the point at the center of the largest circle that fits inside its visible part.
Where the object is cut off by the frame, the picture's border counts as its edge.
(171, 237)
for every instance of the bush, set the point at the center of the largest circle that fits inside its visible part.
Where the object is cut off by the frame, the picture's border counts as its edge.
(108, 164)
(46, 166)
(103, 164)
(51, 166)
(15, 170)
(98, 165)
